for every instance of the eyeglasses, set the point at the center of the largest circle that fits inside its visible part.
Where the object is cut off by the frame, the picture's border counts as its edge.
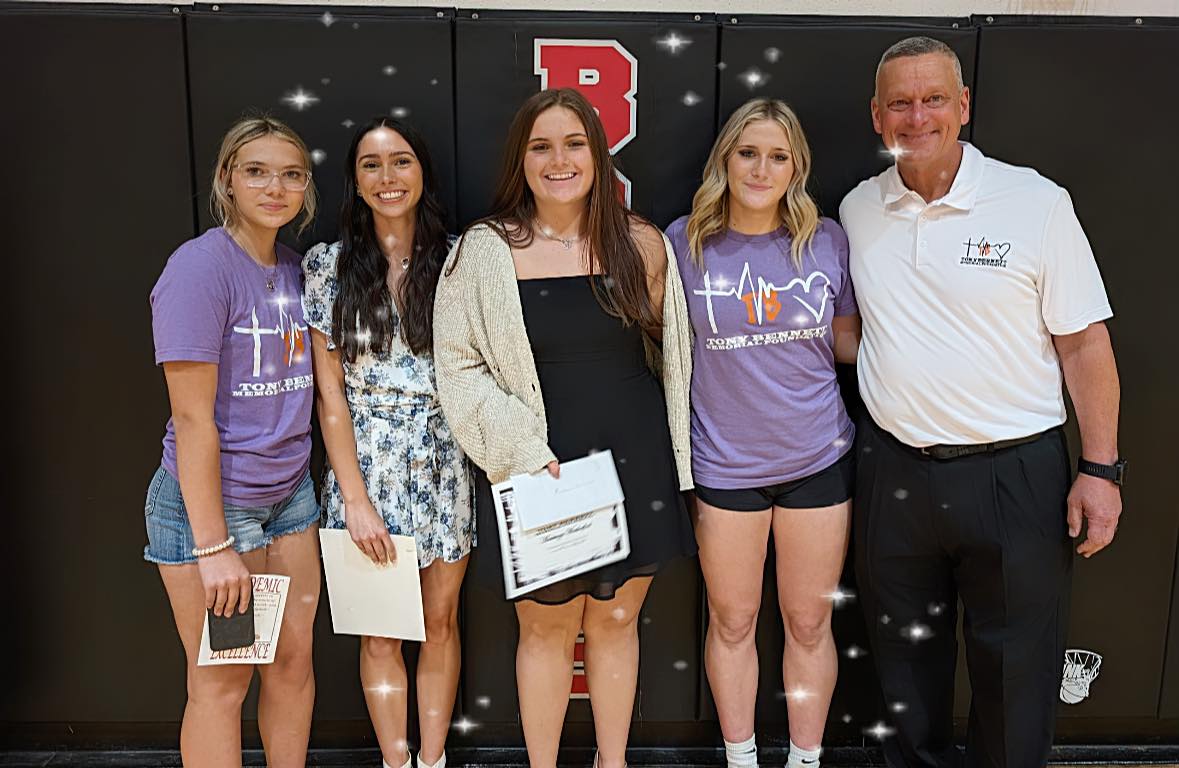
(259, 176)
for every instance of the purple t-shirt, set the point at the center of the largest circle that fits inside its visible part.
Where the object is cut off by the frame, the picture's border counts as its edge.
(765, 403)
(211, 305)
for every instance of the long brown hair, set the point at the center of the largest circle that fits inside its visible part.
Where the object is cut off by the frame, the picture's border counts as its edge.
(607, 230)
(364, 301)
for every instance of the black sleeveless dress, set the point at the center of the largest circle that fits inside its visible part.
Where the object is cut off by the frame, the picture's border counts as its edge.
(598, 394)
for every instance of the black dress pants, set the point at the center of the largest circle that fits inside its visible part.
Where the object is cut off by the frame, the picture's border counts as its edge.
(989, 528)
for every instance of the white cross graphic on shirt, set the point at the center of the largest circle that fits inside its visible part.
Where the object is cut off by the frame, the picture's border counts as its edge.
(257, 332)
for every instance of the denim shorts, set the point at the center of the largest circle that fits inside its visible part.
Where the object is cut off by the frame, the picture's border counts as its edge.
(169, 535)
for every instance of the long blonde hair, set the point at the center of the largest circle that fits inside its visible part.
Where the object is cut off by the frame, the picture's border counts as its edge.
(710, 205)
(242, 132)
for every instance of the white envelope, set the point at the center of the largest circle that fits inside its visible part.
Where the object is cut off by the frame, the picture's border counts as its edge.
(367, 599)
(585, 485)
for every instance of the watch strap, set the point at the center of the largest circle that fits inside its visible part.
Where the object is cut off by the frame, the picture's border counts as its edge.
(1113, 472)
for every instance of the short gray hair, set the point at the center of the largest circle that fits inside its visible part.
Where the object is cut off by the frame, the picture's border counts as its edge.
(920, 45)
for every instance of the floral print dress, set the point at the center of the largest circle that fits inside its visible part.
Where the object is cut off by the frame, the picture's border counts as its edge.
(417, 476)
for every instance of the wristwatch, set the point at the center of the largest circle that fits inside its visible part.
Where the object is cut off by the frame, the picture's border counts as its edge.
(1115, 472)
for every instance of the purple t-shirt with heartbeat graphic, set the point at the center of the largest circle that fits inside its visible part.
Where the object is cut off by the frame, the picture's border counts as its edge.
(212, 305)
(765, 403)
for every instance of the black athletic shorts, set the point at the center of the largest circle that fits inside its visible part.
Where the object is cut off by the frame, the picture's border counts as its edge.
(824, 488)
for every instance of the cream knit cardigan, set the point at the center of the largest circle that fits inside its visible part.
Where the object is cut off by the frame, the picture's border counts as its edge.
(487, 381)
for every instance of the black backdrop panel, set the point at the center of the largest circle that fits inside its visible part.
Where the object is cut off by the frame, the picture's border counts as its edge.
(97, 195)
(1096, 125)
(675, 58)
(322, 73)
(826, 72)
(1169, 701)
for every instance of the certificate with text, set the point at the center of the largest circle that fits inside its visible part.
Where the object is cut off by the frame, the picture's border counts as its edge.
(268, 604)
(580, 524)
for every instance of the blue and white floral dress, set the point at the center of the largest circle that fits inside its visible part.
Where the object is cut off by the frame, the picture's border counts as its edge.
(417, 476)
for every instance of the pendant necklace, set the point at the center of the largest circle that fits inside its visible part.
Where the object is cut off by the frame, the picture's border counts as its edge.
(567, 242)
(271, 275)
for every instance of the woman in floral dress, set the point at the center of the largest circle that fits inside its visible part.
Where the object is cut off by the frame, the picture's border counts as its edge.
(394, 466)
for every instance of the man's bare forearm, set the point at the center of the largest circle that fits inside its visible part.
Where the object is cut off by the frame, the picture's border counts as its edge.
(1091, 375)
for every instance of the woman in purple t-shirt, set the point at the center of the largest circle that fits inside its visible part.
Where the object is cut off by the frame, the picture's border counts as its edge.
(772, 308)
(233, 495)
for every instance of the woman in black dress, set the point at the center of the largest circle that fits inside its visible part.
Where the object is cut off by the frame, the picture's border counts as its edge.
(562, 278)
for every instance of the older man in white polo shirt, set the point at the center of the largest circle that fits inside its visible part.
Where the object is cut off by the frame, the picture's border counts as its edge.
(978, 292)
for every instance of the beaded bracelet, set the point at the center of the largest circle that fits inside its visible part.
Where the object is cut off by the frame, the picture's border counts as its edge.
(202, 551)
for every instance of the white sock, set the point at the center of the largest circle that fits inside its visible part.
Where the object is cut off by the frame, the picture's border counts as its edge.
(803, 758)
(408, 763)
(742, 754)
(423, 764)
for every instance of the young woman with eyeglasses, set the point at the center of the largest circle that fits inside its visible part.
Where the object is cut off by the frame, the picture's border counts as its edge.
(233, 495)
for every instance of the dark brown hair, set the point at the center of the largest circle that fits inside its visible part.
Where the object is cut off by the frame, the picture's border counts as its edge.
(364, 302)
(607, 226)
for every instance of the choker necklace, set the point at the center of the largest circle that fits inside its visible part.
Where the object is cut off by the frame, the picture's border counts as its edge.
(405, 262)
(548, 235)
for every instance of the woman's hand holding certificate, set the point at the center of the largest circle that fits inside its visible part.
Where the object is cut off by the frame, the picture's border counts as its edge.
(552, 528)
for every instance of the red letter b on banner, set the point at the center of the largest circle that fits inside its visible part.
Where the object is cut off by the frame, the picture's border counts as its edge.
(602, 70)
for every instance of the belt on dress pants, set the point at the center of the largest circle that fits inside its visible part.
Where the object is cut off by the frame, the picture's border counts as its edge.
(946, 452)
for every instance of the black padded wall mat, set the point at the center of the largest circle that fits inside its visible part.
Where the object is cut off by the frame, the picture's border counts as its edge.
(1077, 101)
(322, 72)
(97, 194)
(670, 61)
(1169, 700)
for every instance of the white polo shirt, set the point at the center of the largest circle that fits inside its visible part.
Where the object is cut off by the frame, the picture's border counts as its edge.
(961, 297)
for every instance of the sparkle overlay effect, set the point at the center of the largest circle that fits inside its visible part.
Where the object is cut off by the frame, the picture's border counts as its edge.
(300, 99)
(916, 632)
(879, 731)
(799, 693)
(672, 42)
(753, 78)
(839, 596)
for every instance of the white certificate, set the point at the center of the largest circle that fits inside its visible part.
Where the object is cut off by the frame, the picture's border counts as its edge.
(371, 599)
(573, 535)
(268, 604)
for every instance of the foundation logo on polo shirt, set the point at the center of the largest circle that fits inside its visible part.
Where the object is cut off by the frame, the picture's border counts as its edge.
(984, 253)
